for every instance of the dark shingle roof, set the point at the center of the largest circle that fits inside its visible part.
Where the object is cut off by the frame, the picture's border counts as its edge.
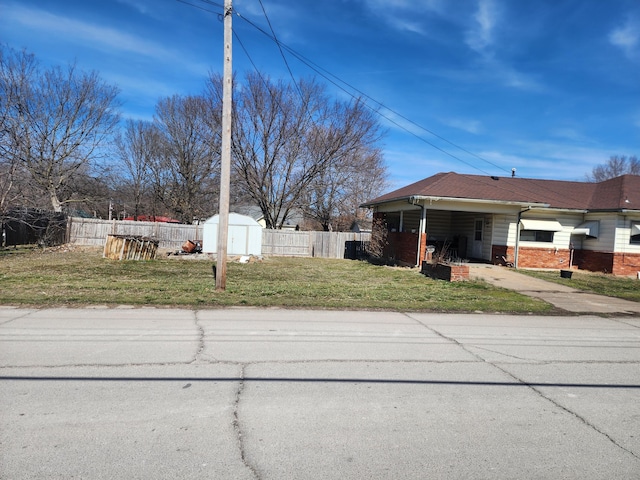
(618, 193)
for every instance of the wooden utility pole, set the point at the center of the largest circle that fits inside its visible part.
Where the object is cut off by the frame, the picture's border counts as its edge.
(225, 160)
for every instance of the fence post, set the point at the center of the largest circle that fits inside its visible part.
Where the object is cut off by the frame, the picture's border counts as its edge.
(67, 236)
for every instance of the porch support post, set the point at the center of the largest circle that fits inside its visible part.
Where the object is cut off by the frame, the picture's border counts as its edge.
(517, 252)
(421, 232)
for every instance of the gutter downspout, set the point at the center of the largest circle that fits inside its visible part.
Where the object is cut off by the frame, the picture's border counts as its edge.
(412, 201)
(517, 252)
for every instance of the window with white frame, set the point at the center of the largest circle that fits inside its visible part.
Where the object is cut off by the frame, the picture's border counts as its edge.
(538, 230)
(635, 233)
(536, 236)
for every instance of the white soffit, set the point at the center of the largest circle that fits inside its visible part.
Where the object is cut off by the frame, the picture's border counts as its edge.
(544, 225)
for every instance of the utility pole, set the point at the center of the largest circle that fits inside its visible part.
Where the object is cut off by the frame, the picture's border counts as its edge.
(225, 159)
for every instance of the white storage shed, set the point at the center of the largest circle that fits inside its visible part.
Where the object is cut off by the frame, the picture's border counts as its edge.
(245, 235)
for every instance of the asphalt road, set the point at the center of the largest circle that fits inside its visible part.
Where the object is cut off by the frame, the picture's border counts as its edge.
(284, 394)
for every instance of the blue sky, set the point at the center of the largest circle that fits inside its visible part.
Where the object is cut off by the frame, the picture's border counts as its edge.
(549, 87)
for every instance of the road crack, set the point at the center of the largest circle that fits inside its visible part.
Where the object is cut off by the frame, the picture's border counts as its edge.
(237, 426)
(537, 391)
(201, 345)
(576, 415)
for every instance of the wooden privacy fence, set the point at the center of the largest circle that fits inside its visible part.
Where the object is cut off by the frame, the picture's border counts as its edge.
(90, 231)
(312, 244)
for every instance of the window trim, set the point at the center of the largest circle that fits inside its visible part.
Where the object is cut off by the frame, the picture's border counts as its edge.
(539, 236)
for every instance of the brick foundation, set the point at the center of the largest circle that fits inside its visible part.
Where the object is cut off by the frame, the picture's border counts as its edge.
(626, 263)
(543, 258)
(605, 262)
(594, 261)
(531, 257)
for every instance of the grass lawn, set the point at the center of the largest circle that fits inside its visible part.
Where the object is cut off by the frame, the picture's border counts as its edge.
(81, 277)
(609, 285)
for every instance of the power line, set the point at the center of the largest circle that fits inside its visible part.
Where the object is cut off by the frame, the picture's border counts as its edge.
(284, 58)
(199, 7)
(336, 81)
(341, 84)
(326, 75)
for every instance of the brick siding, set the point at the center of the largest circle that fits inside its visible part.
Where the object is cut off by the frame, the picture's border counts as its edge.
(402, 247)
(605, 262)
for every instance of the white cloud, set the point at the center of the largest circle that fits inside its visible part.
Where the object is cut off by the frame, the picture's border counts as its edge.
(410, 5)
(82, 32)
(139, 5)
(627, 38)
(480, 36)
(470, 126)
(95, 36)
(403, 15)
(569, 133)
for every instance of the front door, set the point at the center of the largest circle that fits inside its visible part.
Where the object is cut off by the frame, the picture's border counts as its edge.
(478, 231)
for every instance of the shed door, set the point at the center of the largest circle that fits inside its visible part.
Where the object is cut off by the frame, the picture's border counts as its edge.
(478, 230)
(238, 240)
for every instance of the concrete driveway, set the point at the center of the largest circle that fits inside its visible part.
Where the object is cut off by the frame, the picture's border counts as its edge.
(563, 297)
(287, 394)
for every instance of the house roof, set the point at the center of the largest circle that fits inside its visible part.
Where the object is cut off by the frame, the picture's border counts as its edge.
(153, 218)
(620, 193)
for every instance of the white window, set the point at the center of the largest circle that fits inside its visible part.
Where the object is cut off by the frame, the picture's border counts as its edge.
(635, 233)
(539, 230)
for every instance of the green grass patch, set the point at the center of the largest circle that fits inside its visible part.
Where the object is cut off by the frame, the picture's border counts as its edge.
(83, 277)
(621, 287)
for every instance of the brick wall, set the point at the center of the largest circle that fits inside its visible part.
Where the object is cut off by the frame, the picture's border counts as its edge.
(529, 257)
(451, 273)
(423, 249)
(403, 247)
(543, 257)
(626, 263)
(593, 261)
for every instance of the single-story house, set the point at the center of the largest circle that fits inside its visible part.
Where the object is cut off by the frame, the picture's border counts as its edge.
(526, 222)
(293, 222)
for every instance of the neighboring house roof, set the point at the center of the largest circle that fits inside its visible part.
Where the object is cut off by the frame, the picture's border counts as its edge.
(252, 211)
(620, 193)
(153, 218)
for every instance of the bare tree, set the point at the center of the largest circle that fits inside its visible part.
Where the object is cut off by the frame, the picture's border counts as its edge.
(616, 166)
(287, 136)
(17, 70)
(333, 197)
(59, 118)
(185, 170)
(137, 149)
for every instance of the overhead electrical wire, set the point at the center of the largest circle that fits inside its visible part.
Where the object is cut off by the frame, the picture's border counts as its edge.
(199, 7)
(336, 81)
(284, 58)
(345, 86)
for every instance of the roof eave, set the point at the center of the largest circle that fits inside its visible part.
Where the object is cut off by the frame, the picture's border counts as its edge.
(430, 198)
(613, 210)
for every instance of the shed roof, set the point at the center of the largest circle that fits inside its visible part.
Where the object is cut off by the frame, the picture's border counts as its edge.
(235, 219)
(620, 193)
